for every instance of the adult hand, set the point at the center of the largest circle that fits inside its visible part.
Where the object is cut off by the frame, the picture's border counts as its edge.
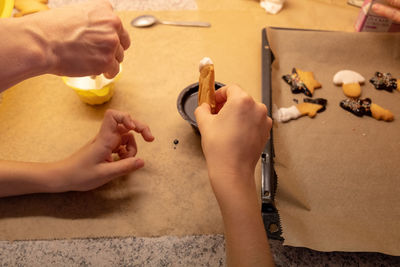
(82, 39)
(93, 165)
(233, 139)
(390, 11)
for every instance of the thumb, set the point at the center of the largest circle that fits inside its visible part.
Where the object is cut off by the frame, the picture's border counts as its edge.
(202, 112)
(121, 167)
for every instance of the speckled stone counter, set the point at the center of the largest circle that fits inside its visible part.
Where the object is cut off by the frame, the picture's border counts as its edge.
(206, 250)
(162, 251)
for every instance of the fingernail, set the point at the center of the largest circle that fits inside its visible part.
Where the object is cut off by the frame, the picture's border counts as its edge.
(139, 163)
(376, 7)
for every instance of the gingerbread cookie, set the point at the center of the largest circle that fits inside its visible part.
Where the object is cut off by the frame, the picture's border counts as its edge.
(301, 82)
(310, 107)
(26, 7)
(384, 81)
(207, 83)
(380, 113)
(361, 107)
(350, 81)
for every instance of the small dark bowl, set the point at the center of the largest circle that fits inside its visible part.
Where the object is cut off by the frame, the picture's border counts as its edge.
(187, 103)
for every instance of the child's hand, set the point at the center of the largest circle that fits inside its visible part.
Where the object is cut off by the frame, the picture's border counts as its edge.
(233, 139)
(232, 142)
(93, 165)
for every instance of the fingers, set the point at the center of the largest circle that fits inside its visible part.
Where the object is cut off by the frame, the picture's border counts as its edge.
(124, 38)
(115, 123)
(144, 130)
(394, 3)
(113, 67)
(121, 129)
(124, 42)
(218, 107)
(120, 123)
(220, 95)
(244, 103)
(111, 170)
(119, 55)
(128, 146)
(113, 118)
(229, 91)
(202, 112)
(112, 70)
(391, 12)
(121, 43)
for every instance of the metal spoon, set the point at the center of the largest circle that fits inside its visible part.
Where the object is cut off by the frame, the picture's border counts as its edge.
(148, 20)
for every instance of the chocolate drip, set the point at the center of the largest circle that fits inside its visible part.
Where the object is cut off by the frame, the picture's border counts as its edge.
(296, 84)
(359, 107)
(319, 101)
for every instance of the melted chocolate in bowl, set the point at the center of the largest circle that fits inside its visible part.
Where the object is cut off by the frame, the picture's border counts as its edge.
(187, 102)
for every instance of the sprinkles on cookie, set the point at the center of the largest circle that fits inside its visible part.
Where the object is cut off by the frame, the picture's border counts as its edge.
(384, 81)
(301, 82)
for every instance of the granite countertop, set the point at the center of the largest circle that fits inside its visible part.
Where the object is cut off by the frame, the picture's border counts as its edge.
(204, 250)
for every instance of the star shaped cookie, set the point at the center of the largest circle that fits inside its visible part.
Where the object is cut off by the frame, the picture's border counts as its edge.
(384, 81)
(301, 82)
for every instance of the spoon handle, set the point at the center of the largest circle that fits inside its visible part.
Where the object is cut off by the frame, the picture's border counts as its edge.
(186, 23)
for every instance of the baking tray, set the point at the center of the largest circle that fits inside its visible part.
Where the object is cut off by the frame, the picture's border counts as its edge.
(269, 179)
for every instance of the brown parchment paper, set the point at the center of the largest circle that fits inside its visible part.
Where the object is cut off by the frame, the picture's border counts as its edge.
(42, 120)
(338, 174)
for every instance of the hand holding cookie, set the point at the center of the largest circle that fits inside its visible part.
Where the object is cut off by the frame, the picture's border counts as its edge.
(233, 139)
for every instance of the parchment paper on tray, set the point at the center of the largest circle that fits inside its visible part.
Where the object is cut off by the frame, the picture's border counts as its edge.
(338, 174)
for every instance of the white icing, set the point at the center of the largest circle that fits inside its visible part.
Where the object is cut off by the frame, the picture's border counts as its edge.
(88, 83)
(205, 61)
(272, 6)
(347, 76)
(286, 114)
